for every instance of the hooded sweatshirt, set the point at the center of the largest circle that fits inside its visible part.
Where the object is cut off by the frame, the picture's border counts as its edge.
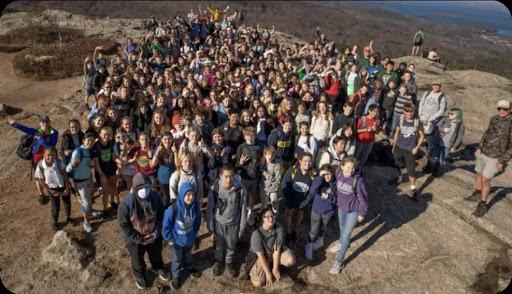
(321, 206)
(283, 143)
(148, 211)
(225, 206)
(349, 200)
(181, 226)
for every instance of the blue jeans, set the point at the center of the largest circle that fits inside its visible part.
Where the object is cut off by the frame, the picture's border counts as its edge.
(439, 153)
(347, 222)
(181, 258)
(394, 123)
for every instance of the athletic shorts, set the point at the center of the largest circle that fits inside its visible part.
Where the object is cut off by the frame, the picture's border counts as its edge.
(486, 166)
(404, 158)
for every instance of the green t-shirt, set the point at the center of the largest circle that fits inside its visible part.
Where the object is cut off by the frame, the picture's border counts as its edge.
(387, 76)
(419, 36)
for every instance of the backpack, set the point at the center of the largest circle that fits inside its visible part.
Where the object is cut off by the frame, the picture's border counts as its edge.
(321, 153)
(24, 149)
(418, 38)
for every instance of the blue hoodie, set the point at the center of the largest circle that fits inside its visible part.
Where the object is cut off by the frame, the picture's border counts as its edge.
(182, 228)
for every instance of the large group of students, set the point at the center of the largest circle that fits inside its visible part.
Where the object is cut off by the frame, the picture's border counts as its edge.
(205, 119)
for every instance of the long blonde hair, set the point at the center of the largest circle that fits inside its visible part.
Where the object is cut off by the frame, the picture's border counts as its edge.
(317, 110)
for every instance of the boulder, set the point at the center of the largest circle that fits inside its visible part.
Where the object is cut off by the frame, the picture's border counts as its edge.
(94, 275)
(65, 252)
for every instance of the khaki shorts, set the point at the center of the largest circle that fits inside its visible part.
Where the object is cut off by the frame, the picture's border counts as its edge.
(486, 166)
(257, 273)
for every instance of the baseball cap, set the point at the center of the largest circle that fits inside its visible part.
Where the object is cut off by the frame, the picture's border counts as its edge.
(503, 104)
(44, 118)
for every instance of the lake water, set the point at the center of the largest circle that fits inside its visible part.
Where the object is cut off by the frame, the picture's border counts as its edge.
(492, 14)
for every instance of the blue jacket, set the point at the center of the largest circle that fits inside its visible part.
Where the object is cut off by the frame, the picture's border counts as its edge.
(321, 206)
(182, 228)
(42, 141)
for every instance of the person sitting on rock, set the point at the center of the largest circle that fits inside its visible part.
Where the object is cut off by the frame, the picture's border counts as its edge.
(493, 153)
(267, 243)
(140, 217)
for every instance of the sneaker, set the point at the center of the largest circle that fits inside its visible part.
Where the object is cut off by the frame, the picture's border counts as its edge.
(175, 283)
(41, 199)
(231, 270)
(414, 194)
(141, 283)
(96, 213)
(55, 227)
(101, 215)
(275, 207)
(87, 227)
(336, 268)
(308, 251)
(335, 247)
(250, 217)
(113, 205)
(481, 209)
(163, 274)
(319, 243)
(217, 269)
(475, 197)
(194, 273)
(69, 222)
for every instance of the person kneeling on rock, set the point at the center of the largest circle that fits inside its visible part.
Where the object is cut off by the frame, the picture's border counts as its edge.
(267, 243)
(180, 226)
(140, 217)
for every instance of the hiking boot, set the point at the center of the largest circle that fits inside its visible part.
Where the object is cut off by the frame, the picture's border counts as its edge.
(217, 269)
(95, 213)
(336, 267)
(175, 283)
(55, 227)
(414, 194)
(475, 197)
(308, 251)
(101, 215)
(481, 209)
(193, 272)
(69, 222)
(141, 283)
(319, 243)
(436, 170)
(41, 199)
(163, 274)
(113, 205)
(87, 227)
(232, 273)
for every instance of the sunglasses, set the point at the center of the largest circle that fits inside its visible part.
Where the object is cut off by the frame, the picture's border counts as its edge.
(504, 109)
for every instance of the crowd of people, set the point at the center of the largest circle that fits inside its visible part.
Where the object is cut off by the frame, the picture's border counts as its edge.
(205, 119)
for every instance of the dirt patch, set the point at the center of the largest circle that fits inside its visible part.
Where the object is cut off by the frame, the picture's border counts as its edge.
(51, 52)
(499, 271)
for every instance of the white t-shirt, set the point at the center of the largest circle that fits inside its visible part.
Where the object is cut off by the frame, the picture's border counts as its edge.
(52, 175)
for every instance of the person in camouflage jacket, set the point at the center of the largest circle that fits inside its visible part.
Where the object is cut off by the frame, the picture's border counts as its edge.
(494, 151)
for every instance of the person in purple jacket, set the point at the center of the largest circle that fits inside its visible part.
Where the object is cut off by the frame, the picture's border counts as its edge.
(352, 200)
(323, 194)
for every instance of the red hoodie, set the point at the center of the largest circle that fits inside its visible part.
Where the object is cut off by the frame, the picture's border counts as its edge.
(332, 88)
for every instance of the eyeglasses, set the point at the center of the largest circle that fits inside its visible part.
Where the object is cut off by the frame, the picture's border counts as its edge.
(502, 108)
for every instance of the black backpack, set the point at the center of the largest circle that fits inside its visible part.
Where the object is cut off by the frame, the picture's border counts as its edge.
(24, 149)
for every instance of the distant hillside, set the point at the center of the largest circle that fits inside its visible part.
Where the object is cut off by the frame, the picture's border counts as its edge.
(346, 23)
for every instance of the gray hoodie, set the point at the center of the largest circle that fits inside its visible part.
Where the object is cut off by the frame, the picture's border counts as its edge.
(430, 106)
(226, 207)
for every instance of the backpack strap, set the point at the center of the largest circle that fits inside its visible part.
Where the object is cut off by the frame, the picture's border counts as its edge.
(354, 184)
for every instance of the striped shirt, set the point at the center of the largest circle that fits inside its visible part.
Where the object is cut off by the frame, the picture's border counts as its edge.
(401, 100)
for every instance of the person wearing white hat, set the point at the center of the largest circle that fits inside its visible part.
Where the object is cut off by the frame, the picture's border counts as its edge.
(494, 151)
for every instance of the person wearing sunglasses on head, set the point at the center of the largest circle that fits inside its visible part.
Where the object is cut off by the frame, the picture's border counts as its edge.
(494, 151)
